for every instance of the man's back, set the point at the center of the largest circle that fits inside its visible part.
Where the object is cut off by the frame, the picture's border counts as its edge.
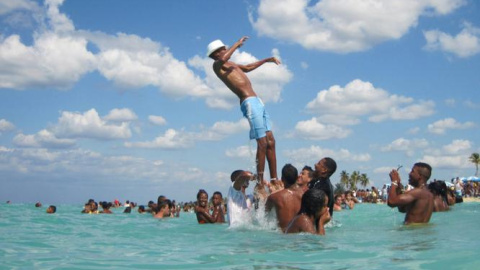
(421, 208)
(287, 203)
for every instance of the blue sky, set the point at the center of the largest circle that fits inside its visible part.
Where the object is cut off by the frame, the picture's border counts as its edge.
(105, 100)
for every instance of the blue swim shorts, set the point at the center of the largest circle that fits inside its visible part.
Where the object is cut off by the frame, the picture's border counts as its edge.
(254, 110)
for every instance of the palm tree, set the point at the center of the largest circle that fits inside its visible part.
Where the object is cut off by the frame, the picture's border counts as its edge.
(364, 181)
(339, 188)
(344, 179)
(475, 159)
(354, 179)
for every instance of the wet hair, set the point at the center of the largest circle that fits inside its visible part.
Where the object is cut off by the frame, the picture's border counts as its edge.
(312, 201)
(141, 208)
(166, 202)
(150, 203)
(54, 208)
(289, 174)
(438, 188)
(106, 205)
(235, 175)
(160, 199)
(217, 193)
(200, 193)
(331, 165)
(426, 170)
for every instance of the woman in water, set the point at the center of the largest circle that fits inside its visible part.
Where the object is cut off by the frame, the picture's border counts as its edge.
(313, 214)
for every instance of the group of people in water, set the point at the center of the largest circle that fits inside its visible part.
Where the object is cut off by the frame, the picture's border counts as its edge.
(305, 202)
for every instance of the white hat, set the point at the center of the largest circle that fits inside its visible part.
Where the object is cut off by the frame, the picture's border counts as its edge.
(214, 45)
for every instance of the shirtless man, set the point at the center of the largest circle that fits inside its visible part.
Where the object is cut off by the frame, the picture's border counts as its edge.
(286, 202)
(416, 203)
(218, 209)
(234, 77)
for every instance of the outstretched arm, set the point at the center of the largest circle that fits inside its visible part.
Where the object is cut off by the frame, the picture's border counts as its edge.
(252, 66)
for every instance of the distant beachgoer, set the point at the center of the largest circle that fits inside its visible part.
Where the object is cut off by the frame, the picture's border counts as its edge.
(163, 209)
(239, 204)
(324, 168)
(141, 209)
(286, 202)
(305, 177)
(350, 200)
(51, 209)
(337, 205)
(218, 208)
(459, 187)
(416, 203)
(440, 198)
(38, 204)
(234, 77)
(127, 210)
(91, 207)
(106, 208)
(201, 209)
(313, 214)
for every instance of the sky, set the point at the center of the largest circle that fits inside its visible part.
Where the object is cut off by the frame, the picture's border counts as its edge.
(118, 100)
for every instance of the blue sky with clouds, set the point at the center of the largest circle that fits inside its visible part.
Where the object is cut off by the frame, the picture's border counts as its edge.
(105, 100)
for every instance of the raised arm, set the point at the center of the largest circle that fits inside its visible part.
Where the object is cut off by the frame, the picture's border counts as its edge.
(252, 66)
(226, 56)
(242, 179)
(395, 199)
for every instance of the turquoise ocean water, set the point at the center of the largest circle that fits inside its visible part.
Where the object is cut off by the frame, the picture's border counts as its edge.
(368, 237)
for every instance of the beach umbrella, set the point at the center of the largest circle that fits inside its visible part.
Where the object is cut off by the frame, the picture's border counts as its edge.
(473, 178)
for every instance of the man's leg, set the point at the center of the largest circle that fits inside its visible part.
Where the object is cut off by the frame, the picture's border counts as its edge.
(271, 155)
(261, 154)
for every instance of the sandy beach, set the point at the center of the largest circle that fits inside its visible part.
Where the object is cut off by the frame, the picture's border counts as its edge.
(471, 199)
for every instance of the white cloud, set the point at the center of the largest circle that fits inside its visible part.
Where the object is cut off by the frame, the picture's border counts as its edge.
(222, 129)
(89, 125)
(413, 130)
(410, 147)
(172, 139)
(313, 129)
(91, 167)
(8, 6)
(157, 120)
(360, 98)
(52, 61)
(6, 126)
(463, 45)
(43, 139)
(457, 146)
(121, 115)
(243, 151)
(441, 126)
(314, 153)
(343, 26)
